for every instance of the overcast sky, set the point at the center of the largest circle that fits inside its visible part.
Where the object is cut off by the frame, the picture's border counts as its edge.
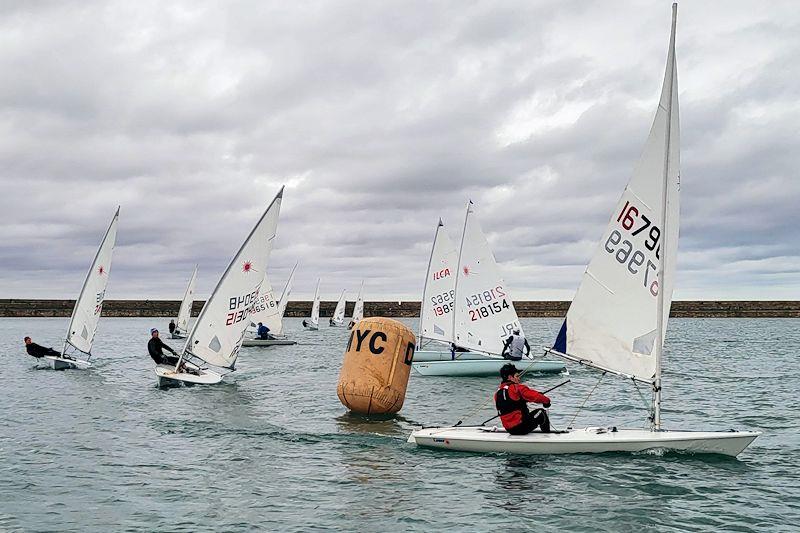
(380, 117)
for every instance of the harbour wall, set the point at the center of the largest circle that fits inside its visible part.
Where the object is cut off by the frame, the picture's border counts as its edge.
(169, 308)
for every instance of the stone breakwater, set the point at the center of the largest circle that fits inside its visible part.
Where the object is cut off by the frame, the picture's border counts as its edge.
(168, 308)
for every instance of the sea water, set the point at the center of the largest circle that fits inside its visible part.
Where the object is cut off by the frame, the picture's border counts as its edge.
(272, 448)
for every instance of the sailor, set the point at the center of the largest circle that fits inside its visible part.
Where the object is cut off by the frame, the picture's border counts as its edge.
(305, 323)
(332, 322)
(516, 346)
(263, 332)
(156, 347)
(511, 400)
(351, 324)
(37, 351)
(172, 326)
(456, 349)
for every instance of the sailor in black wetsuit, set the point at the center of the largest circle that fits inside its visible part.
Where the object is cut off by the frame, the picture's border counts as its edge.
(37, 351)
(156, 347)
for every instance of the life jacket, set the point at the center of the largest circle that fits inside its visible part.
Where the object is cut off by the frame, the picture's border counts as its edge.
(517, 347)
(512, 412)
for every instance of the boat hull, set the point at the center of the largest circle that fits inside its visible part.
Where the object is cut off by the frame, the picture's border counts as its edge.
(177, 336)
(59, 363)
(424, 356)
(268, 342)
(585, 440)
(482, 367)
(312, 328)
(166, 377)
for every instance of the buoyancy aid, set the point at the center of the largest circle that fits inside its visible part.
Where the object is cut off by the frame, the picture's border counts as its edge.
(512, 412)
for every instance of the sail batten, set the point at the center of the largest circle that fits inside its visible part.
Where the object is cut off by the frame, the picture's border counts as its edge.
(89, 305)
(218, 332)
(617, 320)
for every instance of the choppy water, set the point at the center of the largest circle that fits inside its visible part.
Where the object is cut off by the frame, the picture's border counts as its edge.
(272, 448)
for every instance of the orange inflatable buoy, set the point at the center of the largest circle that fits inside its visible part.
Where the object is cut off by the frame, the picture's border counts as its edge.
(376, 366)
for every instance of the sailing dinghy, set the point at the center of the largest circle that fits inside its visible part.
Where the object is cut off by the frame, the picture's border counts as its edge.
(358, 308)
(337, 320)
(217, 334)
(617, 321)
(313, 322)
(88, 307)
(270, 312)
(185, 311)
(465, 302)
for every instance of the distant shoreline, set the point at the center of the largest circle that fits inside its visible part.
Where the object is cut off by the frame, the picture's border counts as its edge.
(525, 309)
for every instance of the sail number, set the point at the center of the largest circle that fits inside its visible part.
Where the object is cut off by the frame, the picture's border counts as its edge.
(99, 302)
(240, 307)
(443, 302)
(487, 303)
(494, 308)
(629, 217)
(635, 261)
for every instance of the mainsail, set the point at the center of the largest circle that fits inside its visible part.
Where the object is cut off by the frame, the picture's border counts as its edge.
(617, 319)
(287, 290)
(89, 305)
(265, 309)
(218, 332)
(438, 296)
(338, 313)
(185, 311)
(484, 312)
(315, 307)
(358, 309)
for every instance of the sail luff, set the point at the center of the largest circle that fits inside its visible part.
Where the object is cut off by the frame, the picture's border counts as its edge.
(315, 306)
(78, 303)
(669, 77)
(287, 290)
(358, 308)
(456, 297)
(427, 278)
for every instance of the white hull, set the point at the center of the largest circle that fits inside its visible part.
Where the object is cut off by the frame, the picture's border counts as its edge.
(483, 367)
(336, 324)
(269, 342)
(424, 356)
(59, 363)
(167, 377)
(312, 328)
(177, 336)
(586, 440)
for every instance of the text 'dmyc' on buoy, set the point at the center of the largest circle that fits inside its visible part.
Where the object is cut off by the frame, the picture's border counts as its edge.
(376, 366)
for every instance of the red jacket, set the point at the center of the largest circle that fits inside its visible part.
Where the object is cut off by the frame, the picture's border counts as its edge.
(511, 402)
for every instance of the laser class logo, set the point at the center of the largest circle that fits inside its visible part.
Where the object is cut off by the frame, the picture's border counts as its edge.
(466, 270)
(247, 267)
(101, 270)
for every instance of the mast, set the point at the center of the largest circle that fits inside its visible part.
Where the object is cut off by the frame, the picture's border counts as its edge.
(458, 267)
(659, 340)
(427, 278)
(282, 302)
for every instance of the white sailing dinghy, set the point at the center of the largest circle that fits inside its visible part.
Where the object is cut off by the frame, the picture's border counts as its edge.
(337, 320)
(474, 297)
(313, 322)
(217, 334)
(358, 308)
(185, 311)
(88, 307)
(270, 312)
(616, 322)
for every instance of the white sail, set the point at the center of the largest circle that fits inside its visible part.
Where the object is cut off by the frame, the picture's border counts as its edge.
(185, 311)
(358, 308)
(287, 290)
(218, 332)
(484, 312)
(89, 305)
(338, 313)
(265, 309)
(438, 296)
(315, 307)
(613, 321)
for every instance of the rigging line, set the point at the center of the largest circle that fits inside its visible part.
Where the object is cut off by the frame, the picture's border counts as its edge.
(586, 399)
(644, 400)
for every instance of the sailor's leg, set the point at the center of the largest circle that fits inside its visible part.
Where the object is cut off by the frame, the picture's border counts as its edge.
(541, 420)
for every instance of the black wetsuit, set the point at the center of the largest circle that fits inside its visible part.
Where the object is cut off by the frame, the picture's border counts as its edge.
(38, 352)
(155, 347)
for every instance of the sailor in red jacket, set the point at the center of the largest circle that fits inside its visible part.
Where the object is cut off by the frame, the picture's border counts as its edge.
(511, 400)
